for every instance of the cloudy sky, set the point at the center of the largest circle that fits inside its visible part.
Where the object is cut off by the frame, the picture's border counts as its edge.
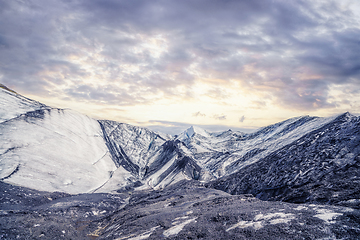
(169, 64)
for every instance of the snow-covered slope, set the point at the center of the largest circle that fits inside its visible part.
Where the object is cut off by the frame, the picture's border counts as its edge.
(200, 141)
(133, 147)
(50, 149)
(54, 150)
(13, 104)
(321, 166)
(224, 153)
(61, 150)
(153, 159)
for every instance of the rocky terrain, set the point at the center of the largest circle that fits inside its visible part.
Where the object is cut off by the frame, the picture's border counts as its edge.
(185, 210)
(64, 175)
(321, 167)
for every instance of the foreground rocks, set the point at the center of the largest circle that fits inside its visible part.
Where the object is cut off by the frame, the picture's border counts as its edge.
(185, 210)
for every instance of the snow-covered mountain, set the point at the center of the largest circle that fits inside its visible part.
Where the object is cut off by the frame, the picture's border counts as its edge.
(174, 187)
(53, 149)
(154, 159)
(60, 150)
(321, 166)
(224, 153)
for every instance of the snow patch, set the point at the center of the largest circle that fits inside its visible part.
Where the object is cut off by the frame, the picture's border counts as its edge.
(142, 236)
(261, 219)
(299, 208)
(327, 215)
(177, 228)
(280, 217)
(246, 224)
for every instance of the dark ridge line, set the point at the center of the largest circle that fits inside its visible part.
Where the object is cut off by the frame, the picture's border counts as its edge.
(121, 160)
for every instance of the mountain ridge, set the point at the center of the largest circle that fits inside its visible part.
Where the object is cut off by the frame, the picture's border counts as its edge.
(138, 158)
(100, 179)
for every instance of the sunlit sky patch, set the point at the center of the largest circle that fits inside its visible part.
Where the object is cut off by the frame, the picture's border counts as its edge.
(171, 64)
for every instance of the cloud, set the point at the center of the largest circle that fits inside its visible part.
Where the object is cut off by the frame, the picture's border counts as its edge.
(131, 52)
(258, 104)
(217, 93)
(242, 119)
(219, 117)
(199, 114)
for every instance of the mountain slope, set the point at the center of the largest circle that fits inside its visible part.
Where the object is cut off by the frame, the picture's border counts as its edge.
(132, 147)
(13, 105)
(174, 187)
(297, 160)
(225, 153)
(54, 150)
(153, 159)
(322, 166)
(61, 150)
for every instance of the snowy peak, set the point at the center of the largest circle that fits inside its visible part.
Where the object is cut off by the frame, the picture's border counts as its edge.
(197, 130)
(228, 134)
(191, 132)
(63, 150)
(345, 117)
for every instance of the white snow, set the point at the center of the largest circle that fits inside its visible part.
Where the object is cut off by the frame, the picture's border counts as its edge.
(246, 224)
(260, 220)
(142, 236)
(178, 227)
(299, 208)
(280, 217)
(327, 215)
(62, 150)
(13, 105)
(55, 151)
(191, 132)
(205, 147)
(119, 180)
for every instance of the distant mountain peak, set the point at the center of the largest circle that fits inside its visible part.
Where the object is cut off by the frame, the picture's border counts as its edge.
(191, 131)
(347, 114)
(344, 117)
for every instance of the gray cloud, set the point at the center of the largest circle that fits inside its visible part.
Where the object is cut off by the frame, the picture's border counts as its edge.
(242, 118)
(219, 117)
(199, 114)
(303, 47)
(109, 94)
